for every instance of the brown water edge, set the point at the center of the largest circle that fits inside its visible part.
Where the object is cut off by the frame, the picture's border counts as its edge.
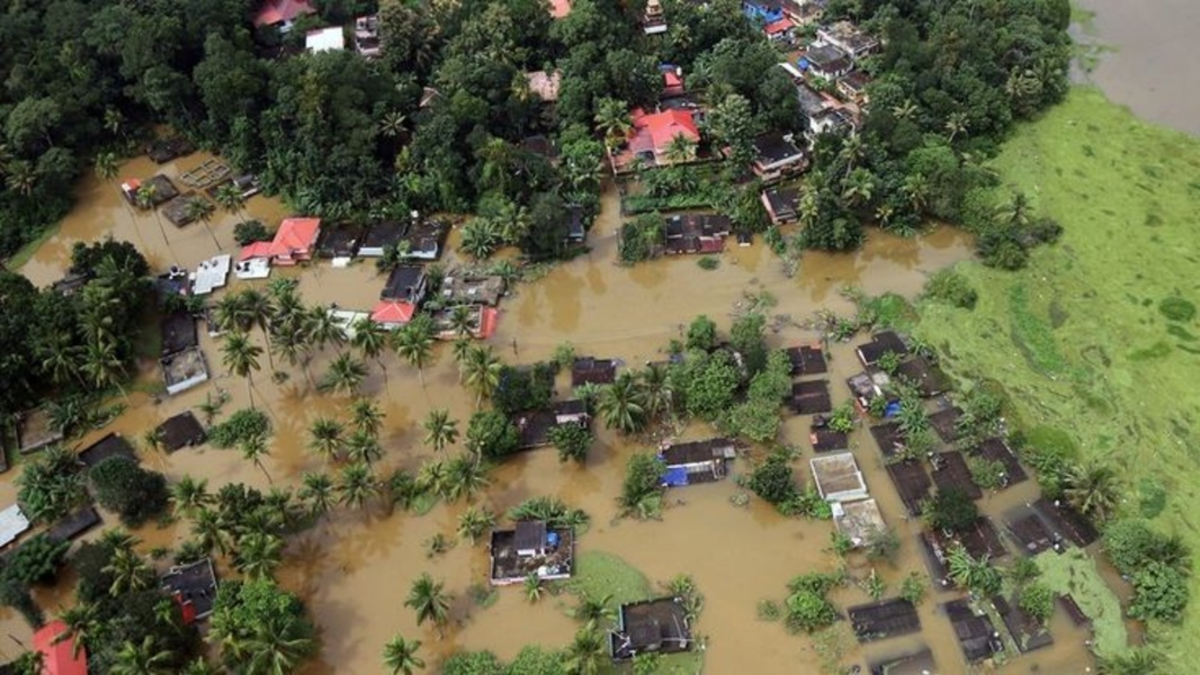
(1154, 50)
(355, 569)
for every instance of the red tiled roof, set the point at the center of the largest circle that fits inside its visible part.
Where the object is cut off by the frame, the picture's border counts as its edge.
(281, 11)
(487, 324)
(296, 234)
(389, 311)
(57, 659)
(259, 249)
(671, 80)
(655, 132)
(780, 26)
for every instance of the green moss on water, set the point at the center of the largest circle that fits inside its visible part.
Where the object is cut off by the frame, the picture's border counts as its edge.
(1110, 381)
(1075, 573)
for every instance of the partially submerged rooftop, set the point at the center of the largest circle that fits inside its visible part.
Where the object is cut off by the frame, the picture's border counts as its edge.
(910, 663)
(533, 426)
(178, 332)
(194, 588)
(976, 635)
(36, 430)
(807, 360)
(950, 470)
(340, 240)
(884, 619)
(810, 398)
(911, 482)
(881, 343)
(1029, 633)
(650, 626)
(405, 283)
(945, 423)
(838, 478)
(74, 524)
(111, 445)
(180, 431)
(859, 521)
(996, 450)
(587, 369)
(531, 547)
(472, 289)
(919, 371)
(828, 440)
(697, 461)
(184, 370)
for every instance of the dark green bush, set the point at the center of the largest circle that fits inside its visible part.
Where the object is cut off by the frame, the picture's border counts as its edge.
(242, 425)
(951, 288)
(133, 493)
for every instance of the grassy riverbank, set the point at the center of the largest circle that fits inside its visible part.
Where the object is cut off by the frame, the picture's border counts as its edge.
(1098, 337)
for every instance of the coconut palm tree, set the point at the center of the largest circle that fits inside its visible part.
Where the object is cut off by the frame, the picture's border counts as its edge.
(129, 572)
(357, 485)
(480, 237)
(622, 405)
(345, 374)
(240, 356)
(430, 601)
(1094, 490)
(1017, 212)
(258, 555)
(976, 574)
(232, 314)
(464, 478)
(102, 366)
(657, 390)
(859, 188)
(612, 120)
(956, 123)
(230, 198)
(592, 611)
(142, 658)
(440, 430)
(916, 191)
(367, 416)
(371, 340)
(460, 349)
(400, 656)
(431, 479)
(586, 654)
(210, 532)
(83, 623)
(461, 318)
(318, 491)
(514, 223)
(363, 446)
(22, 177)
(260, 311)
(482, 368)
(414, 343)
(145, 197)
(323, 330)
(326, 438)
(680, 149)
(60, 358)
(278, 646)
(474, 522)
(190, 495)
(392, 125)
(904, 110)
(254, 449)
(202, 210)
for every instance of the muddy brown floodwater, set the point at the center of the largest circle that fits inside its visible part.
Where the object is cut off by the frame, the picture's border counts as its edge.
(1154, 56)
(354, 570)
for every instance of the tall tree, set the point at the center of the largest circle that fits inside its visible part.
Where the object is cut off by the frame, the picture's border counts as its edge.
(142, 658)
(345, 374)
(260, 311)
(482, 368)
(430, 601)
(440, 429)
(190, 495)
(621, 404)
(326, 438)
(254, 449)
(258, 555)
(371, 339)
(241, 357)
(318, 490)
(414, 343)
(202, 210)
(400, 656)
(357, 485)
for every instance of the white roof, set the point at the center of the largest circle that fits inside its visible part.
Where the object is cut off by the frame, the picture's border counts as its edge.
(211, 274)
(255, 268)
(12, 523)
(325, 40)
(347, 318)
(838, 478)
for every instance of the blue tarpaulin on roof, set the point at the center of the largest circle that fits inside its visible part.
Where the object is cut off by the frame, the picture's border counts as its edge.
(802, 64)
(892, 409)
(676, 477)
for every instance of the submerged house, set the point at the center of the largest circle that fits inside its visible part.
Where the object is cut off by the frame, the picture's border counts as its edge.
(531, 547)
(859, 521)
(838, 478)
(776, 157)
(696, 233)
(468, 289)
(193, 587)
(651, 138)
(881, 343)
(379, 236)
(533, 426)
(590, 369)
(109, 446)
(295, 240)
(781, 204)
(697, 461)
(401, 296)
(180, 431)
(481, 323)
(184, 370)
(650, 626)
(149, 193)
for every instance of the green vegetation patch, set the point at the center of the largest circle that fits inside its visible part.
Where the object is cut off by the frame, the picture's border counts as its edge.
(599, 574)
(1177, 309)
(1075, 573)
(1111, 379)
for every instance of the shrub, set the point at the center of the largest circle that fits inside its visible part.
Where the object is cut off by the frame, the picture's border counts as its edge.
(773, 480)
(807, 608)
(708, 262)
(551, 510)
(37, 560)
(913, 588)
(843, 417)
(1177, 309)
(641, 491)
(769, 610)
(572, 441)
(951, 288)
(883, 544)
(241, 426)
(1037, 600)
(702, 333)
(133, 493)
(492, 435)
(51, 485)
(519, 389)
(640, 237)
(1160, 593)
(249, 231)
(1131, 544)
(951, 509)
(986, 473)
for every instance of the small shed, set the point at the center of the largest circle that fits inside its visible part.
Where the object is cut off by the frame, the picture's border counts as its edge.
(884, 619)
(36, 430)
(590, 369)
(950, 470)
(1027, 631)
(945, 423)
(929, 380)
(530, 538)
(807, 360)
(889, 438)
(838, 478)
(810, 398)
(178, 431)
(976, 635)
(996, 450)
(13, 524)
(911, 482)
(828, 440)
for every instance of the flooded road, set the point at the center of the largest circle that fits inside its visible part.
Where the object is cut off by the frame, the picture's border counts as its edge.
(1154, 58)
(354, 569)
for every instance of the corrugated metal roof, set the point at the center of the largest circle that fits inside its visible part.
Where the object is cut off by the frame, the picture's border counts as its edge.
(12, 523)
